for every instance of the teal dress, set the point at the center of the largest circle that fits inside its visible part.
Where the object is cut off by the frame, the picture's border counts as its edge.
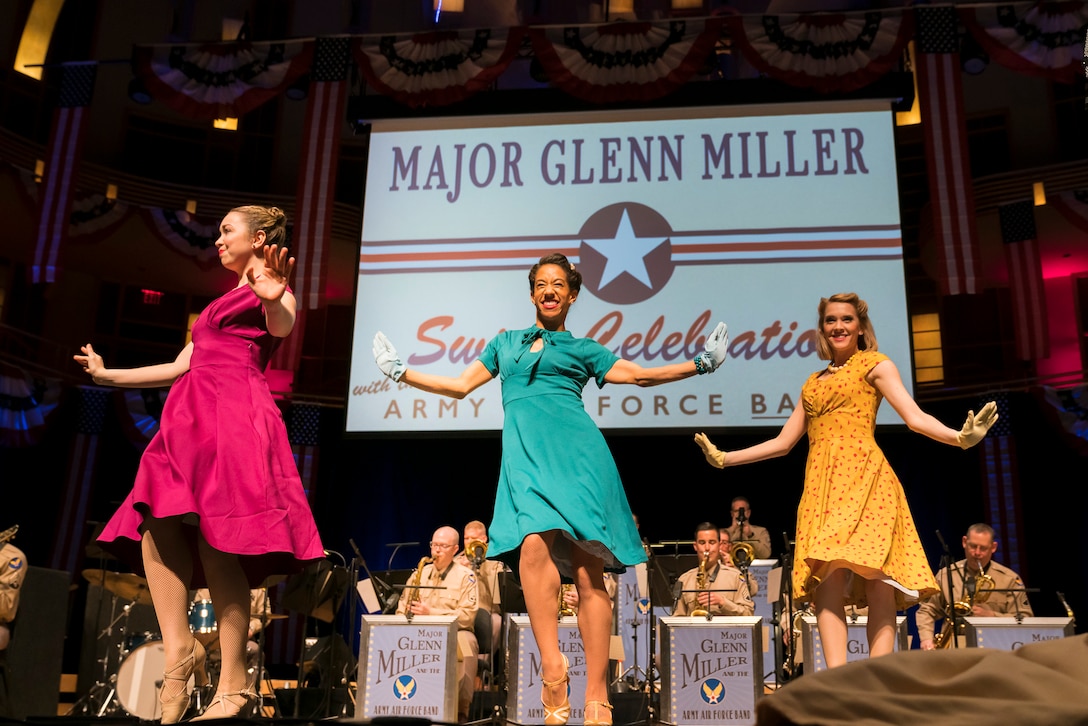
(557, 473)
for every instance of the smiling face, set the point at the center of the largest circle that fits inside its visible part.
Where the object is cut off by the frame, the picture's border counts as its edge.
(840, 328)
(236, 244)
(552, 296)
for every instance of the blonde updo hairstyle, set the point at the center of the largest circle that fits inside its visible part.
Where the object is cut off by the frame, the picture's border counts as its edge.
(867, 337)
(271, 220)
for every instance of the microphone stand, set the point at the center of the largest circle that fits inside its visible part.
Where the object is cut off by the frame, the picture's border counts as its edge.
(785, 645)
(951, 613)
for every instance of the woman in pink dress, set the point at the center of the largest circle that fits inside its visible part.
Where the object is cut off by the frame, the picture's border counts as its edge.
(217, 500)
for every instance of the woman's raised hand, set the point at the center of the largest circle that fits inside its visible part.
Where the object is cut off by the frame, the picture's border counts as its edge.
(714, 351)
(385, 355)
(714, 456)
(272, 283)
(975, 427)
(91, 362)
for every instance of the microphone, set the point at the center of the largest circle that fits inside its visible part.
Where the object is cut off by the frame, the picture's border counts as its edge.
(677, 588)
(401, 544)
(1068, 610)
(944, 545)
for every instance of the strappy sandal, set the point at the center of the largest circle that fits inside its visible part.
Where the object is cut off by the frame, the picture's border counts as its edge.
(602, 714)
(556, 715)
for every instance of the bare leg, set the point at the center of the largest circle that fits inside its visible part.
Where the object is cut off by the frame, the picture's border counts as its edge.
(831, 617)
(881, 621)
(594, 621)
(540, 585)
(230, 596)
(168, 565)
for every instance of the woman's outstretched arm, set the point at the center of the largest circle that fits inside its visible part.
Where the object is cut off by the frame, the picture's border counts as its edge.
(154, 376)
(474, 376)
(780, 445)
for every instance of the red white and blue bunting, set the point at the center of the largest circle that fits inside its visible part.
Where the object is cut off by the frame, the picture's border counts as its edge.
(185, 235)
(436, 69)
(824, 51)
(26, 404)
(624, 61)
(220, 80)
(1039, 39)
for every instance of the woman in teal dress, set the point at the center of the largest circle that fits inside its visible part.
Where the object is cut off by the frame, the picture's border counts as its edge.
(560, 510)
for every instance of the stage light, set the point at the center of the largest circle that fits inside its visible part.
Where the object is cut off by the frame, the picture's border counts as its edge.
(111, 192)
(298, 90)
(138, 92)
(1038, 192)
(973, 59)
(190, 206)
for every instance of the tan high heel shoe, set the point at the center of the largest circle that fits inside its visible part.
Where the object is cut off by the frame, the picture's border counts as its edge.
(191, 666)
(560, 714)
(226, 705)
(597, 713)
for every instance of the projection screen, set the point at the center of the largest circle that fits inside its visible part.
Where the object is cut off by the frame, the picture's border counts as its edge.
(677, 218)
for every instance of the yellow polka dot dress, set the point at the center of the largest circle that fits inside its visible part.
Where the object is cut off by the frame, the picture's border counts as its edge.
(853, 513)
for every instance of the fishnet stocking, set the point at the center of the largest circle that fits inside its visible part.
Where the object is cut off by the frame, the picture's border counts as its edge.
(168, 564)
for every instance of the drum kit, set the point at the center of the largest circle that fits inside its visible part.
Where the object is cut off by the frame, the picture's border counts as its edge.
(133, 686)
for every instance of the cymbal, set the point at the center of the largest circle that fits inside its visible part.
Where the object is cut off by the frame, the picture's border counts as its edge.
(122, 584)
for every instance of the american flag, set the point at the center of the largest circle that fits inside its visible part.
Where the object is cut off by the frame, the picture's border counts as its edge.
(303, 431)
(1025, 279)
(1002, 482)
(91, 416)
(951, 197)
(316, 186)
(63, 154)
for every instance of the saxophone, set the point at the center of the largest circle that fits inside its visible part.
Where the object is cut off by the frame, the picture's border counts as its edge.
(976, 591)
(8, 534)
(564, 609)
(701, 583)
(413, 587)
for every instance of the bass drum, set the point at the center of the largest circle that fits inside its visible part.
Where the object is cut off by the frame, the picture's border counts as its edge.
(139, 679)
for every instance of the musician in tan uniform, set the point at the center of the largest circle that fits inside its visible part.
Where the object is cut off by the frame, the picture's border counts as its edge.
(447, 588)
(725, 592)
(489, 596)
(979, 546)
(258, 601)
(742, 529)
(725, 556)
(12, 573)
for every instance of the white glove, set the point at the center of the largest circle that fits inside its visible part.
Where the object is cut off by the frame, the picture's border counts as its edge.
(714, 455)
(714, 351)
(385, 355)
(975, 427)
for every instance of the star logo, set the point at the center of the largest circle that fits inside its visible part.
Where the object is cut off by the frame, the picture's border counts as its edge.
(712, 691)
(626, 253)
(404, 688)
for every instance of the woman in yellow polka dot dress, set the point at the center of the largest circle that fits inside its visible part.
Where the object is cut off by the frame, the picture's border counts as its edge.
(856, 543)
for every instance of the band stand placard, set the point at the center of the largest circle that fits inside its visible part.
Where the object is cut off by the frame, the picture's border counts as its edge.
(523, 698)
(1009, 633)
(857, 641)
(712, 671)
(764, 599)
(408, 668)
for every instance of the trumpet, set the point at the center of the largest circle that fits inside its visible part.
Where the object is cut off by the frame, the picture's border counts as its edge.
(413, 587)
(475, 551)
(702, 580)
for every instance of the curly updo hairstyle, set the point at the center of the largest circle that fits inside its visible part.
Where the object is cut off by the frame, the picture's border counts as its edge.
(574, 278)
(271, 220)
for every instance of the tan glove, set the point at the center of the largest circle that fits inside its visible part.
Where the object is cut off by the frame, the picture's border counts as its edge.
(713, 454)
(975, 427)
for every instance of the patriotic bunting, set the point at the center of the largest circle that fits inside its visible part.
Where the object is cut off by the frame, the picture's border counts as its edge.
(72, 509)
(1073, 205)
(26, 405)
(624, 61)
(95, 215)
(1038, 39)
(63, 154)
(1002, 481)
(220, 80)
(827, 52)
(437, 69)
(139, 411)
(1068, 409)
(185, 235)
(952, 198)
(1025, 279)
(316, 188)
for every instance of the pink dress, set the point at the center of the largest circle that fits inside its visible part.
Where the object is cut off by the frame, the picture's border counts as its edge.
(221, 458)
